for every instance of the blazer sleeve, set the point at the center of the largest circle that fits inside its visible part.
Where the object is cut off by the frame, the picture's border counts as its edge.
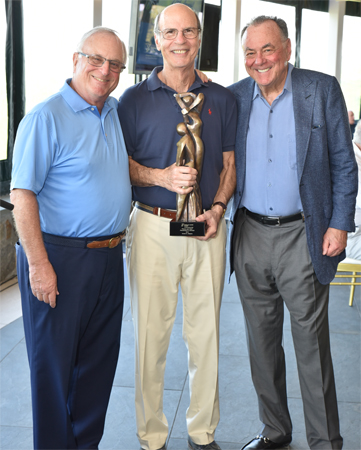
(343, 167)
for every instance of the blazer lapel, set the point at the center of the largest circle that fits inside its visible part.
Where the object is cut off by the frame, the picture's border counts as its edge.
(244, 101)
(303, 90)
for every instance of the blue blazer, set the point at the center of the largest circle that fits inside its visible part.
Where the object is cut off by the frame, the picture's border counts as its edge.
(326, 166)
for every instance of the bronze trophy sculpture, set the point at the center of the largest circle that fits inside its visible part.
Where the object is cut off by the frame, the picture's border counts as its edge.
(189, 153)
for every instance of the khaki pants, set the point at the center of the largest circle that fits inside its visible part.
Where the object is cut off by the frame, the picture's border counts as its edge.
(157, 263)
(353, 249)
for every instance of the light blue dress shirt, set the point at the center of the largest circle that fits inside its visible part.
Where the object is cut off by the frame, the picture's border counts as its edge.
(75, 161)
(271, 184)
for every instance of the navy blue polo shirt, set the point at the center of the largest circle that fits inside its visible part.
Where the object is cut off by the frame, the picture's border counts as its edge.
(149, 115)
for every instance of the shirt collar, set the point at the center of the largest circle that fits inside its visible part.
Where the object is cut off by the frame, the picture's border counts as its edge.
(154, 83)
(287, 86)
(75, 101)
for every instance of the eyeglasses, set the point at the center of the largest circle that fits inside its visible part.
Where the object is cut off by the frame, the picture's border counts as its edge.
(98, 61)
(172, 33)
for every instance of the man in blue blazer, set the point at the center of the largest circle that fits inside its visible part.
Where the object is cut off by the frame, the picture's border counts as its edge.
(293, 206)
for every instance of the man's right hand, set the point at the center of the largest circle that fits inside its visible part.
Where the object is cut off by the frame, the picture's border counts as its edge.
(43, 282)
(179, 179)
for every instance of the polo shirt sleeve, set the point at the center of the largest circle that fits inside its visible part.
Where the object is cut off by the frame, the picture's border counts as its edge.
(127, 117)
(34, 151)
(230, 124)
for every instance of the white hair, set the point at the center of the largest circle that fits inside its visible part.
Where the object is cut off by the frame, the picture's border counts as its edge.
(100, 29)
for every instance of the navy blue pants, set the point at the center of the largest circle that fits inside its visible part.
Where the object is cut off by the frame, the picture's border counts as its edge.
(73, 349)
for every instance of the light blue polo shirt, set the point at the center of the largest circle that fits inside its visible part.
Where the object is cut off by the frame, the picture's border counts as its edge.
(75, 161)
(271, 184)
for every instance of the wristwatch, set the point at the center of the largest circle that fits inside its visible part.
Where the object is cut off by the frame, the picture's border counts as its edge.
(220, 204)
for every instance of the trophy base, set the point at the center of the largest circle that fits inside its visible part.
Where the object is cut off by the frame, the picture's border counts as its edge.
(187, 228)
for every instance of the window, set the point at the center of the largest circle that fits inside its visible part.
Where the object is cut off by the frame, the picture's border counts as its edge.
(314, 44)
(52, 30)
(351, 64)
(116, 15)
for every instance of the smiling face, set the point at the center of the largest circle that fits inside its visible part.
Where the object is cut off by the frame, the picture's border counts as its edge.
(266, 55)
(94, 84)
(180, 52)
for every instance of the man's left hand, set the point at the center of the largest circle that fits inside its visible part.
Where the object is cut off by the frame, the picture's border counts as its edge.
(211, 218)
(334, 242)
(203, 76)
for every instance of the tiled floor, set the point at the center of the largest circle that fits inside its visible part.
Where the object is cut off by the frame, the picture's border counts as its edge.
(239, 413)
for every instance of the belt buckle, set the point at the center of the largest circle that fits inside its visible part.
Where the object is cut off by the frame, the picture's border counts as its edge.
(111, 240)
(278, 221)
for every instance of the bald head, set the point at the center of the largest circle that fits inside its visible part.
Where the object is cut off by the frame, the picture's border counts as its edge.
(173, 9)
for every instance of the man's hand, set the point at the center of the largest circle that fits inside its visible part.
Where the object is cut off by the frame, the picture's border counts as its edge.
(43, 282)
(211, 218)
(203, 76)
(179, 179)
(334, 242)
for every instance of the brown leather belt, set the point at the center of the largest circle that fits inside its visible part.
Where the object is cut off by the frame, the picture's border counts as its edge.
(168, 213)
(110, 243)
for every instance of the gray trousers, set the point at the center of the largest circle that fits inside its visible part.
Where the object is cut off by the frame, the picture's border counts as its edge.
(273, 266)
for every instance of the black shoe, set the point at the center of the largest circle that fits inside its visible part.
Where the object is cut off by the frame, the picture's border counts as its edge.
(212, 446)
(261, 442)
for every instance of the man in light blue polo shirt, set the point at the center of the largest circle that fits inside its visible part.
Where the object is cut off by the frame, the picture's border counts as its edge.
(71, 195)
(293, 206)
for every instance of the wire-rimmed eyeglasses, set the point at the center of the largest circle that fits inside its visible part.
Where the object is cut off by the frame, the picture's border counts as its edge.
(172, 33)
(98, 61)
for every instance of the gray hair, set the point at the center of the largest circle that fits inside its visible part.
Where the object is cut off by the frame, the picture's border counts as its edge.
(104, 30)
(156, 21)
(261, 19)
(357, 134)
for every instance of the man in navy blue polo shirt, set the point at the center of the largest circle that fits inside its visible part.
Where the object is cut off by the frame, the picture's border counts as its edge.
(157, 262)
(71, 191)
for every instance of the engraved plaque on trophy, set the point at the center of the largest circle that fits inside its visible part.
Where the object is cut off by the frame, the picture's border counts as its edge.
(189, 153)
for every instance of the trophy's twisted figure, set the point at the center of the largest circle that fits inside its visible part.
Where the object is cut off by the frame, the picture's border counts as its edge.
(190, 152)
